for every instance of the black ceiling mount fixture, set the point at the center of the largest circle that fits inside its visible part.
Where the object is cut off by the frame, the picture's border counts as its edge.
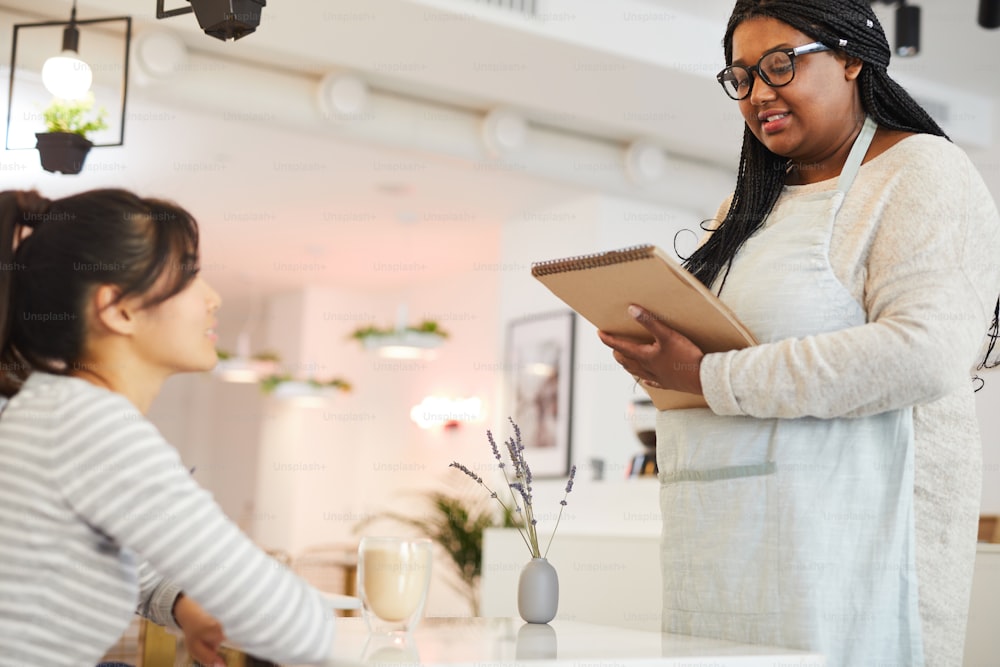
(222, 19)
(989, 14)
(908, 23)
(907, 30)
(907, 27)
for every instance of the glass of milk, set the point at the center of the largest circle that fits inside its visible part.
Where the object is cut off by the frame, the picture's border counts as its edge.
(393, 576)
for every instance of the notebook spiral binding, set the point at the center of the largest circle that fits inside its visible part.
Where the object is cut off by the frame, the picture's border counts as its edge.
(581, 262)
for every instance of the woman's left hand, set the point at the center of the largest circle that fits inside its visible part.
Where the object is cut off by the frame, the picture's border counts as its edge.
(670, 361)
(203, 634)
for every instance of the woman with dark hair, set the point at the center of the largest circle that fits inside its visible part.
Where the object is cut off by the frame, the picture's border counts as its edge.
(101, 302)
(828, 498)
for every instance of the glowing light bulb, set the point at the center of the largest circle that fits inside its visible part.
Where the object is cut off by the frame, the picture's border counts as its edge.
(67, 76)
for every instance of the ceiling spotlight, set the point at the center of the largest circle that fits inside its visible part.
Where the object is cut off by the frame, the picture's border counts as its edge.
(223, 19)
(907, 27)
(907, 30)
(989, 14)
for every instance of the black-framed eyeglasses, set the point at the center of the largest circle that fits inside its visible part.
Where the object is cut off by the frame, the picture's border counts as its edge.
(776, 68)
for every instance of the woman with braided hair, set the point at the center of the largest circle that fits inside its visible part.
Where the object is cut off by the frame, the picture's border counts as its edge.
(828, 497)
(100, 302)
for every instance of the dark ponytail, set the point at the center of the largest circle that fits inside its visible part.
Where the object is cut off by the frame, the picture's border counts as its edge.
(144, 247)
(19, 212)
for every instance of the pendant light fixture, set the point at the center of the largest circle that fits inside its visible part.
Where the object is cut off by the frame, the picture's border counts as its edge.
(60, 132)
(67, 75)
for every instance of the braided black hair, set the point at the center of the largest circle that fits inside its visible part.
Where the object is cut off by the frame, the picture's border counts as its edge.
(847, 26)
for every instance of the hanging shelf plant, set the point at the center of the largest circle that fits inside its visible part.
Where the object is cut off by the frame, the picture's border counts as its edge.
(63, 147)
(240, 368)
(425, 336)
(287, 386)
(225, 355)
(262, 368)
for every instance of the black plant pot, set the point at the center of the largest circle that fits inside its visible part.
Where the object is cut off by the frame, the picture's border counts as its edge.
(62, 152)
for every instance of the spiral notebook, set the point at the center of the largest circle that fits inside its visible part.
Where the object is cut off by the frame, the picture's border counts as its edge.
(601, 286)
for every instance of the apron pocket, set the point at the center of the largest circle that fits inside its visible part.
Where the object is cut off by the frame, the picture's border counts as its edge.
(720, 551)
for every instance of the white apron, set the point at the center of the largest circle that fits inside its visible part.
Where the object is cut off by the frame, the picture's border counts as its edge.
(792, 532)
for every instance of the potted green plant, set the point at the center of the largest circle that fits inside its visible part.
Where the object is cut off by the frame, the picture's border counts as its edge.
(64, 145)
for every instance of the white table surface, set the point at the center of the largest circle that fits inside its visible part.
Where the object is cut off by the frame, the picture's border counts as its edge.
(499, 642)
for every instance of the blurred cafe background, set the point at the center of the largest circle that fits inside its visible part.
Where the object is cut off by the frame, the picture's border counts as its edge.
(365, 165)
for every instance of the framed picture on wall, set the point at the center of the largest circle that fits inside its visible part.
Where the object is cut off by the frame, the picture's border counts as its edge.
(539, 379)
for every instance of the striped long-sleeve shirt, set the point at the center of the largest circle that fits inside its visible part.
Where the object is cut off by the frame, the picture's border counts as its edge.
(89, 490)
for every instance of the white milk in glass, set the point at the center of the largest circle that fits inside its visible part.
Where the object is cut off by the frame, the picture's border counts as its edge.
(395, 574)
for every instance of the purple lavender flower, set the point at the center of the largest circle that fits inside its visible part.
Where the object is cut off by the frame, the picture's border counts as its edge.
(496, 450)
(515, 458)
(456, 464)
(520, 488)
(517, 434)
(572, 476)
(517, 486)
(562, 504)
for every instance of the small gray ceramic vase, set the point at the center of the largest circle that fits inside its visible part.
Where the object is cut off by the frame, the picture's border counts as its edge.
(538, 591)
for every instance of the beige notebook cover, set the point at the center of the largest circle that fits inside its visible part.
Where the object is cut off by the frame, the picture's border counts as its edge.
(601, 286)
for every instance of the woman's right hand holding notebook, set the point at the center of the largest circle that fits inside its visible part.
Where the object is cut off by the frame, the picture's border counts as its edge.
(669, 361)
